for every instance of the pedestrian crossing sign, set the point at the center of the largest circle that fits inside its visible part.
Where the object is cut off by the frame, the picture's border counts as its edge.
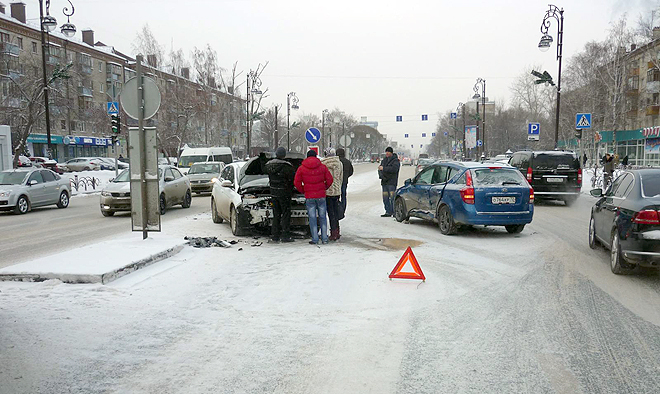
(408, 257)
(113, 108)
(582, 121)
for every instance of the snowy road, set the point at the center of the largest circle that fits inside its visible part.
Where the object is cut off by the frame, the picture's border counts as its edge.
(537, 312)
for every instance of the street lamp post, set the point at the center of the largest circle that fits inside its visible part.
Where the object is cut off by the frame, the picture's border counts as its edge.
(256, 84)
(459, 107)
(48, 24)
(291, 97)
(544, 45)
(323, 115)
(481, 82)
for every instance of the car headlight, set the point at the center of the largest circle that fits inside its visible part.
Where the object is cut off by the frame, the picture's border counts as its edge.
(106, 194)
(214, 180)
(6, 193)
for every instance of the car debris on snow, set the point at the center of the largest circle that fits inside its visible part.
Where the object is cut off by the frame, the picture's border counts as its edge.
(208, 242)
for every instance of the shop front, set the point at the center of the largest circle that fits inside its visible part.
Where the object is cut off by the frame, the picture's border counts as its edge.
(38, 146)
(68, 147)
(642, 146)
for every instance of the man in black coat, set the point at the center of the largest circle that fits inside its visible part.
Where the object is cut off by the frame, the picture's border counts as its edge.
(388, 172)
(348, 172)
(280, 174)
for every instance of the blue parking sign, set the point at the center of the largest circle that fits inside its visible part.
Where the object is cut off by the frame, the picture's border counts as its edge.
(533, 131)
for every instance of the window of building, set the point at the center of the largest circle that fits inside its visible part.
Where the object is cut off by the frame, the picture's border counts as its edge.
(100, 66)
(633, 83)
(656, 98)
(4, 37)
(101, 87)
(653, 75)
(19, 41)
(63, 124)
(34, 47)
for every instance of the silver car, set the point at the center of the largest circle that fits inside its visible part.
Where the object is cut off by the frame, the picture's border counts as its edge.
(24, 189)
(204, 175)
(174, 189)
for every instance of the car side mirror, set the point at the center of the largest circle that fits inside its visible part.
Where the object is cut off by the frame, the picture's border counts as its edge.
(596, 192)
(407, 182)
(32, 182)
(111, 180)
(169, 179)
(227, 183)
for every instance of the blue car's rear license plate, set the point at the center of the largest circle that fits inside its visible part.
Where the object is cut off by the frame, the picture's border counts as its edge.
(503, 200)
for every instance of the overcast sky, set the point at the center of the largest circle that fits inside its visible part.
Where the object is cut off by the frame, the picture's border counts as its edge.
(370, 58)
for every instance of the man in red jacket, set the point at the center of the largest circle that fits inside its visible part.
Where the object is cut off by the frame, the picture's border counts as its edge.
(313, 179)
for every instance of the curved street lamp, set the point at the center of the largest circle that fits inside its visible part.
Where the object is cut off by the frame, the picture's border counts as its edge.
(544, 45)
(252, 89)
(460, 107)
(48, 24)
(291, 97)
(481, 83)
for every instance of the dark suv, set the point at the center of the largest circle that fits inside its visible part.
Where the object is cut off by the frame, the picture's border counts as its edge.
(553, 175)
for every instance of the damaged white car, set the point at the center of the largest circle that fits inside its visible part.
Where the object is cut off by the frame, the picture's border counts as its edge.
(243, 197)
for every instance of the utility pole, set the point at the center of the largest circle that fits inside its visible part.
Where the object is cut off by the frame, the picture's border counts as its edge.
(463, 116)
(45, 78)
(277, 135)
(247, 117)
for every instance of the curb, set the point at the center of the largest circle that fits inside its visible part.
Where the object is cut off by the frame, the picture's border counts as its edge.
(104, 278)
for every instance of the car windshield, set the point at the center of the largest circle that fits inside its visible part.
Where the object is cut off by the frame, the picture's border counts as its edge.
(12, 177)
(204, 169)
(124, 176)
(497, 177)
(425, 162)
(187, 161)
(546, 161)
(651, 184)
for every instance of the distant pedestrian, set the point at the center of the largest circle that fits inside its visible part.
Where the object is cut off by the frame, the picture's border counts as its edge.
(280, 175)
(584, 160)
(336, 168)
(348, 172)
(624, 162)
(388, 172)
(313, 179)
(608, 170)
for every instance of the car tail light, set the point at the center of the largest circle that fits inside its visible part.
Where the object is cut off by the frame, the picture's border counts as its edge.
(647, 216)
(467, 193)
(531, 195)
(529, 174)
(580, 176)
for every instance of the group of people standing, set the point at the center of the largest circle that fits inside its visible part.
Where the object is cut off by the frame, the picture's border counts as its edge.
(324, 184)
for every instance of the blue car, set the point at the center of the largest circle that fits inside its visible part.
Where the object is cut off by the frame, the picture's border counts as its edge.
(463, 193)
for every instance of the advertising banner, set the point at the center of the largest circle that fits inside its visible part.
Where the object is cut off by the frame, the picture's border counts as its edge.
(652, 146)
(470, 137)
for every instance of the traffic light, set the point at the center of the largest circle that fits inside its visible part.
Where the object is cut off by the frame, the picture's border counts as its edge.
(116, 128)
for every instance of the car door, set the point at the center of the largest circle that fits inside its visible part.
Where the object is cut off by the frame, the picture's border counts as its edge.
(169, 186)
(52, 188)
(440, 177)
(224, 197)
(419, 192)
(180, 184)
(37, 192)
(611, 205)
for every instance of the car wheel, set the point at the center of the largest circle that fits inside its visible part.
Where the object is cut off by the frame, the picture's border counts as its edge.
(63, 202)
(514, 228)
(163, 204)
(592, 233)
(187, 200)
(616, 259)
(446, 221)
(107, 213)
(214, 213)
(400, 213)
(22, 205)
(86, 169)
(233, 223)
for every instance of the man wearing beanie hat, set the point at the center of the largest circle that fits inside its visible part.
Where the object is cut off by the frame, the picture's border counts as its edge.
(280, 174)
(336, 168)
(313, 179)
(388, 172)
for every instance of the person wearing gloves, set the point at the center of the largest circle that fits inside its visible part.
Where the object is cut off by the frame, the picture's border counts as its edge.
(313, 179)
(280, 175)
(336, 168)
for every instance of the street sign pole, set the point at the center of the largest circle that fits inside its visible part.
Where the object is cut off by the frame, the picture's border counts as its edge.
(143, 156)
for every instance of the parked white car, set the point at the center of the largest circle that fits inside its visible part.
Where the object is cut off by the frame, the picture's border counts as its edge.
(83, 164)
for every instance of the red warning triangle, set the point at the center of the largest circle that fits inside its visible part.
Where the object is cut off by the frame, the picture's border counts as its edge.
(408, 256)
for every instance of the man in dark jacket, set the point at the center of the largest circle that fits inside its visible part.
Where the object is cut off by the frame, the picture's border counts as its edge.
(388, 172)
(348, 172)
(280, 174)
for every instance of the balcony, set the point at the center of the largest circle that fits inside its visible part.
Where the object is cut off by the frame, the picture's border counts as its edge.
(7, 48)
(84, 92)
(653, 87)
(113, 77)
(85, 69)
(632, 91)
(633, 71)
(52, 60)
(653, 110)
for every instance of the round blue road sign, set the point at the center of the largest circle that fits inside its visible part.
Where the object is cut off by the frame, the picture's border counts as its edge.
(313, 135)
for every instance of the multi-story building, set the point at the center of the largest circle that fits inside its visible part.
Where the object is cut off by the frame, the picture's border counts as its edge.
(97, 73)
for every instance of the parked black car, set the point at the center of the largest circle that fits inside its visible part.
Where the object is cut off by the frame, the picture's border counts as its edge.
(626, 220)
(554, 175)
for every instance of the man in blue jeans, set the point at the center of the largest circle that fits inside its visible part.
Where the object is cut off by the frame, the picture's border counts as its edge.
(313, 179)
(388, 172)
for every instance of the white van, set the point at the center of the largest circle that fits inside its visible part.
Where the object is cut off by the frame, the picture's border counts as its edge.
(191, 156)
